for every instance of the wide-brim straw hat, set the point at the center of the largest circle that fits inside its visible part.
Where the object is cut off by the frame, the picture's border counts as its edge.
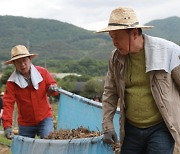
(123, 18)
(19, 51)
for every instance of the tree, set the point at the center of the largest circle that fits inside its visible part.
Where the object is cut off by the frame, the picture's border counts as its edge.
(93, 88)
(6, 74)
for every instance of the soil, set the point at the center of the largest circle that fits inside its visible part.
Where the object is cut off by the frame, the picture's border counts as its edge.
(4, 149)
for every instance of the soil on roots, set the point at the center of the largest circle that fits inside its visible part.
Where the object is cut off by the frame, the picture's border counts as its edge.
(80, 132)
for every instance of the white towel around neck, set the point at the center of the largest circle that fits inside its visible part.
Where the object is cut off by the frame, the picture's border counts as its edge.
(161, 54)
(18, 78)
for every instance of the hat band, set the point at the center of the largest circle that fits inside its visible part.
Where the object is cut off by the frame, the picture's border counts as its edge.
(19, 55)
(115, 24)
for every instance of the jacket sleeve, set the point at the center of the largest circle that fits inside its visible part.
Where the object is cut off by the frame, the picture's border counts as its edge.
(48, 79)
(8, 105)
(176, 76)
(110, 99)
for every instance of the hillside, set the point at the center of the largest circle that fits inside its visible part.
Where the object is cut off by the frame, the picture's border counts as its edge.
(50, 38)
(166, 28)
(60, 44)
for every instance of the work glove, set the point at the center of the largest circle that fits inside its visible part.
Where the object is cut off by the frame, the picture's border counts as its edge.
(8, 133)
(53, 88)
(110, 137)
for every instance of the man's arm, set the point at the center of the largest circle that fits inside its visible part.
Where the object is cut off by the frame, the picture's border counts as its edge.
(109, 106)
(176, 76)
(8, 105)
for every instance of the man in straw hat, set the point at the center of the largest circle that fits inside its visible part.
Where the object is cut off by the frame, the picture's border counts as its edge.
(28, 86)
(144, 73)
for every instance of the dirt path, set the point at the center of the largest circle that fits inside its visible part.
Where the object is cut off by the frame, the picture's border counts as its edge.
(4, 149)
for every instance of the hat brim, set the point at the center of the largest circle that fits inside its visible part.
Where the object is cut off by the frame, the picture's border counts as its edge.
(18, 57)
(112, 28)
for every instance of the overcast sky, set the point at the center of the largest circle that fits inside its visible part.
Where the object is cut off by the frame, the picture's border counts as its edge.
(89, 14)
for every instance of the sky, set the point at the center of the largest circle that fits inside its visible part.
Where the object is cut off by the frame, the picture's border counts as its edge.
(89, 14)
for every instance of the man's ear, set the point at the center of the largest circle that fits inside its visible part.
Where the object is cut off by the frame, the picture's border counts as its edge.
(135, 33)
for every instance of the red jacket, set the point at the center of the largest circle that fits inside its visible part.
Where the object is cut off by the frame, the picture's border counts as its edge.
(33, 105)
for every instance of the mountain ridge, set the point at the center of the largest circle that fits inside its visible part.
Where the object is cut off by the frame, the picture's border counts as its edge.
(57, 41)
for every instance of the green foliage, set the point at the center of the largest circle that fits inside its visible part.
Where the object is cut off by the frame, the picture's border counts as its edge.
(51, 39)
(68, 82)
(86, 66)
(63, 47)
(4, 140)
(92, 88)
(66, 85)
(59, 45)
(6, 74)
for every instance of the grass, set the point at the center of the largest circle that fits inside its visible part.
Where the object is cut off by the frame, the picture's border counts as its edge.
(4, 141)
(4, 145)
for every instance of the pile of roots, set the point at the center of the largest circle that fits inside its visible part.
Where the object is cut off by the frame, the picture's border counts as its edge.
(80, 132)
(73, 134)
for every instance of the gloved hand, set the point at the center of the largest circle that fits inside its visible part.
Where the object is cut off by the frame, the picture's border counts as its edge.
(53, 88)
(8, 133)
(110, 137)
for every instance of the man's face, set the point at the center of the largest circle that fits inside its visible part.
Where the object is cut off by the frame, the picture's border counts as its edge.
(121, 40)
(23, 65)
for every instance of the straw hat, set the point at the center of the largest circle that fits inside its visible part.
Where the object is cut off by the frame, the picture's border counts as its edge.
(122, 18)
(19, 51)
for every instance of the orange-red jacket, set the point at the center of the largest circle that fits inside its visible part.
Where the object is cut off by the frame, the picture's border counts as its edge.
(33, 105)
